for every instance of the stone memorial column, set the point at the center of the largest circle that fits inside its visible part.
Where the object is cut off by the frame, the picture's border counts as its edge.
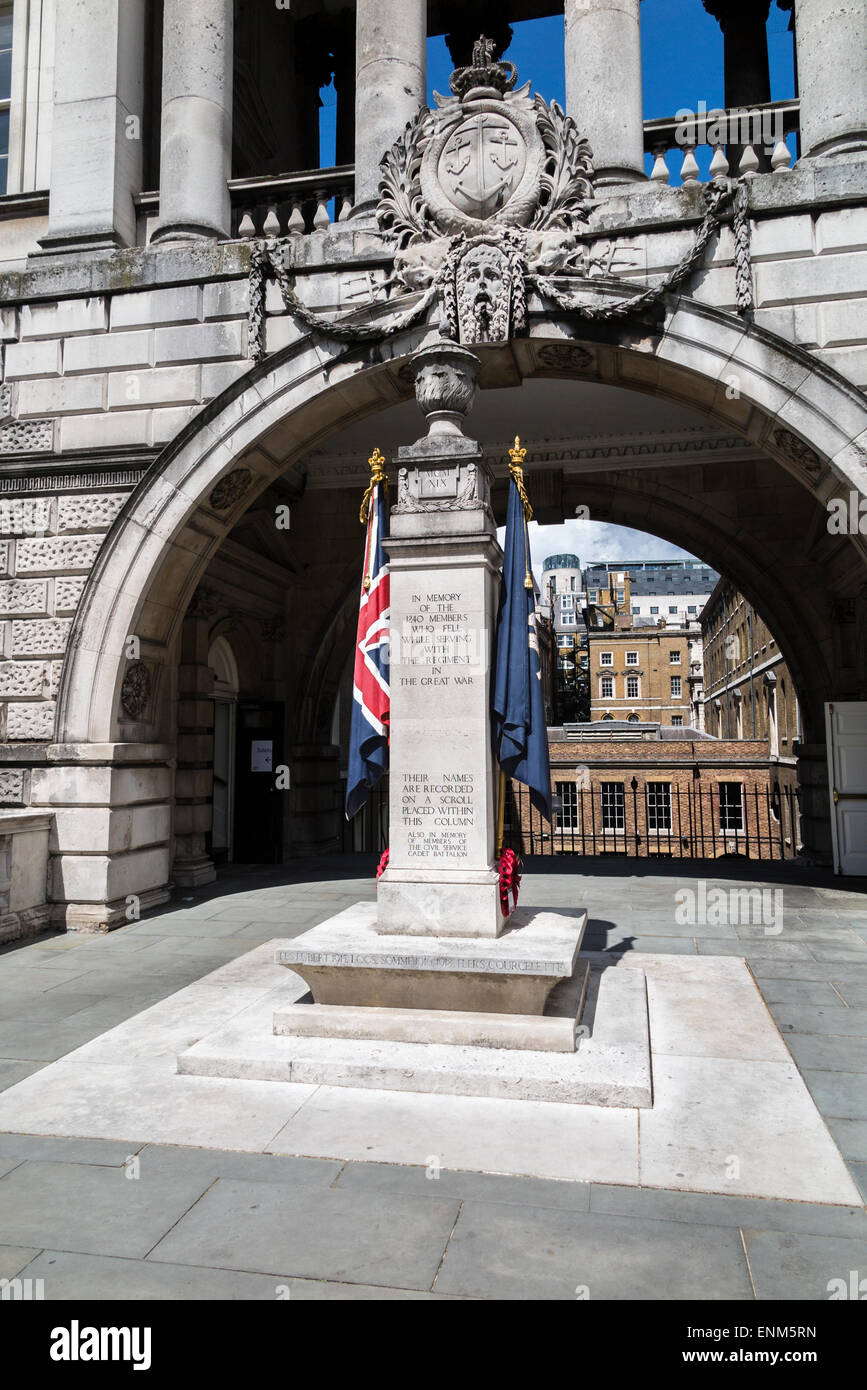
(603, 85)
(832, 75)
(196, 137)
(445, 563)
(390, 84)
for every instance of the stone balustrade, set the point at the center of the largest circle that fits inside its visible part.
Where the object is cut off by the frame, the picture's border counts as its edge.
(293, 204)
(674, 140)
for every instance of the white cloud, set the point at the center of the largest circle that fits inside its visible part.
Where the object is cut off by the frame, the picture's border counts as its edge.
(597, 540)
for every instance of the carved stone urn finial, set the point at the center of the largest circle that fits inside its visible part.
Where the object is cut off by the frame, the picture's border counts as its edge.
(445, 386)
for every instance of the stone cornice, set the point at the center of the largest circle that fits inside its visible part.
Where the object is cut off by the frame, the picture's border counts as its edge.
(572, 455)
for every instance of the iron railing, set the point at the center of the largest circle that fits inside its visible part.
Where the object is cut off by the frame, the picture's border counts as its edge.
(694, 826)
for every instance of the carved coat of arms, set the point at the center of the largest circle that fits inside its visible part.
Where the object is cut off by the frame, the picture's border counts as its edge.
(490, 185)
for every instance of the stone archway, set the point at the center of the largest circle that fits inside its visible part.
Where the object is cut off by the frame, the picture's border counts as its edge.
(808, 420)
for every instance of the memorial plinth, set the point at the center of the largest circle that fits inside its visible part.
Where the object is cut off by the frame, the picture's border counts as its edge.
(436, 961)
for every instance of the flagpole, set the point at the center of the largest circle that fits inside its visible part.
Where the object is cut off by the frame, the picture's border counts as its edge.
(501, 813)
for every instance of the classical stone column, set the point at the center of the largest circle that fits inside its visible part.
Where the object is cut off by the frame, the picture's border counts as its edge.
(194, 775)
(196, 140)
(603, 84)
(97, 140)
(832, 75)
(390, 84)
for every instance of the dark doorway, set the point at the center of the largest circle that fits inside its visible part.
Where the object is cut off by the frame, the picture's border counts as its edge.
(258, 803)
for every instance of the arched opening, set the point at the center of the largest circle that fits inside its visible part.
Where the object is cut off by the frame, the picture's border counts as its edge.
(730, 476)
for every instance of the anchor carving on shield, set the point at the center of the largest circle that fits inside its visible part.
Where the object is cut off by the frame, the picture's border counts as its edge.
(482, 162)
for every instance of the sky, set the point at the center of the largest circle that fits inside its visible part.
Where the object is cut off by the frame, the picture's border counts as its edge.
(682, 66)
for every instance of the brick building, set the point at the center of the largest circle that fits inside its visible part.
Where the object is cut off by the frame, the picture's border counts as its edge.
(749, 691)
(647, 790)
(640, 674)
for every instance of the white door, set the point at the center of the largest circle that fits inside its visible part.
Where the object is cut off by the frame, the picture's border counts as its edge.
(846, 727)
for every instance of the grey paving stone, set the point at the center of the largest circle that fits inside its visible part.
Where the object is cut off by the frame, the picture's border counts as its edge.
(839, 1094)
(531, 1253)
(771, 950)
(72, 1276)
(482, 1187)
(787, 1266)
(210, 1164)
(813, 993)
(47, 1008)
(354, 1237)
(833, 1021)
(829, 1054)
(13, 1072)
(855, 995)
(859, 1173)
(718, 1210)
(7, 1164)
(851, 1137)
(838, 954)
(108, 1153)
(14, 1259)
(92, 1210)
(779, 969)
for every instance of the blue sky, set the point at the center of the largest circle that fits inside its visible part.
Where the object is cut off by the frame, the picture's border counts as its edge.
(682, 65)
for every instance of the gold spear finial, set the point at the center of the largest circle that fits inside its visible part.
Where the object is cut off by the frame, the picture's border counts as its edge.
(516, 468)
(517, 455)
(378, 475)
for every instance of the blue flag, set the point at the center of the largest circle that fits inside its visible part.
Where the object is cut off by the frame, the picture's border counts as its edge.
(518, 705)
(371, 697)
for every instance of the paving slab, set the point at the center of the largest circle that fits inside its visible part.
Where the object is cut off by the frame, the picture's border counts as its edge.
(499, 1252)
(790, 1266)
(831, 1021)
(841, 1095)
(532, 1138)
(255, 1167)
(305, 1231)
(110, 1214)
(101, 1152)
(749, 1127)
(712, 1209)
(433, 1181)
(851, 1138)
(102, 1101)
(14, 1259)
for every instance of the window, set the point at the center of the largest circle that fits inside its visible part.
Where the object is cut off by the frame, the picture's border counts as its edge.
(5, 92)
(731, 806)
(632, 658)
(674, 658)
(659, 805)
(653, 609)
(613, 816)
(675, 686)
(591, 596)
(606, 687)
(635, 609)
(692, 608)
(567, 619)
(673, 609)
(632, 719)
(568, 794)
(566, 603)
(676, 721)
(621, 595)
(633, 687)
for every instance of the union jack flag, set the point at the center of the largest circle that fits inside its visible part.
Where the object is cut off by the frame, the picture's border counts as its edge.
(371, 699)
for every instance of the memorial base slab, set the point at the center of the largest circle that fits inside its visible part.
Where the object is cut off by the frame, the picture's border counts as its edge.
(611, 1067)
(347, 960)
